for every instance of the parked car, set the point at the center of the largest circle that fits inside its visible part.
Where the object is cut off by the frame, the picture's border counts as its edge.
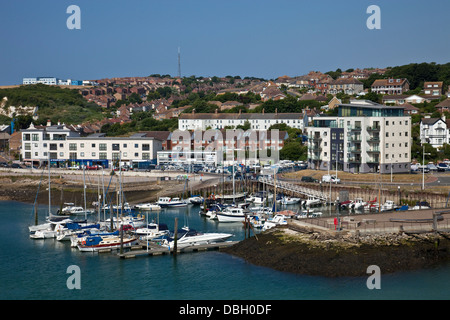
(309, 179)
(93, 167)
(432, 167)
(74, 167)
(423, 169)
(16, 166)
(442, 167)
(330, 178)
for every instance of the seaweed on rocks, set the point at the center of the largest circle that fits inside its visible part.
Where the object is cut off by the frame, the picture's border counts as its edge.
(331, 255)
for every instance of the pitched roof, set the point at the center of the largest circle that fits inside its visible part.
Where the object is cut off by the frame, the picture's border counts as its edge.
(445, 103)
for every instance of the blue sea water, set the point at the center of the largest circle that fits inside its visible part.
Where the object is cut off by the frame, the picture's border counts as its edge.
(37, 269)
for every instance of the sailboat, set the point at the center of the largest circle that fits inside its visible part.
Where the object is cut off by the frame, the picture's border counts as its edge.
(99, 242)
(49, 228)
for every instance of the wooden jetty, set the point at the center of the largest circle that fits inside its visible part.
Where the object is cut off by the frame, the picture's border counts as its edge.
(154, 249)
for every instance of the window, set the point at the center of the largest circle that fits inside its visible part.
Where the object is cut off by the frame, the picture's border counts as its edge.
(93, 154)
(145, 147)
(82, 154)
(53, 146)
(93, 145)
(145, 156)
(387, 123)
(387, 134)
(115, 155)
(72, 146)
(81, 145)
(102, 155)
(102, 147)
(35, 137)
(116, 147)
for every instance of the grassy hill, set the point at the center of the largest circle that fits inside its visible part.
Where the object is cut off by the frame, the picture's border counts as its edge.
(55, 103)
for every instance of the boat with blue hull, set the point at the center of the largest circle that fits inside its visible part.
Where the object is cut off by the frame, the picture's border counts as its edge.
(96, 243)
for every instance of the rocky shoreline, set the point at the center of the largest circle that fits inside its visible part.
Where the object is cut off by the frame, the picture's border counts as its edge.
(325, 254)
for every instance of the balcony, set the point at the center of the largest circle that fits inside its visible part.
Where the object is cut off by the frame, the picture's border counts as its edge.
(354, 160)
(373, 139)
(354, 128)
(354, 150)
(354, 138)
(373, 150)
(372, 160)
(373, 128)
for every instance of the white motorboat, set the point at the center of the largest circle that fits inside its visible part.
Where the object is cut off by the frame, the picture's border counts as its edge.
(148, 206)
(151, 231)
(188, 238)
(388, 205)
(261, 198)
(421, 205)
(135, 222)
(196, 199)
(177, 202)
(290, 200)
(166, 202)
(99, 242)
(277, 220)
(77, 211)
(231, 214)
(358, 204)
(311, 201)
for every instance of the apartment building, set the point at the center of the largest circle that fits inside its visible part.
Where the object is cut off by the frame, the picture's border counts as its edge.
(65, 147)
(257, 121)
(365, 137)
(108, 151)
(215, 146)
(435, 131)
(38, 141)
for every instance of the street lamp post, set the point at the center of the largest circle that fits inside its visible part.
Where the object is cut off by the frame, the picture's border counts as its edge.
(423, 166)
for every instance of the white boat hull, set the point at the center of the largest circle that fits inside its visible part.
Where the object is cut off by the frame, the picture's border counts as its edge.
(201, 239)
(224, 217)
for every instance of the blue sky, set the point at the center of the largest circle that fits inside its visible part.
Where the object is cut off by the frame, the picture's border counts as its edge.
(233, 37)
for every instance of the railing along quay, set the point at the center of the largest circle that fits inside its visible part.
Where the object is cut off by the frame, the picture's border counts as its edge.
(283, 185)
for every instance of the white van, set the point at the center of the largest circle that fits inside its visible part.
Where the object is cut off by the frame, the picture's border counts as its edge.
(330, 178)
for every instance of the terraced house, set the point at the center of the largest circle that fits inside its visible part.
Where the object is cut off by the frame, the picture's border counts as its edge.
(365, 137)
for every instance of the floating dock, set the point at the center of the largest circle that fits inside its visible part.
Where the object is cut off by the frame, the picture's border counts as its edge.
(154, 249)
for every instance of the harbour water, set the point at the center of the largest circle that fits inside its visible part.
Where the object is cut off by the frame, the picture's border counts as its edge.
(37, 269)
